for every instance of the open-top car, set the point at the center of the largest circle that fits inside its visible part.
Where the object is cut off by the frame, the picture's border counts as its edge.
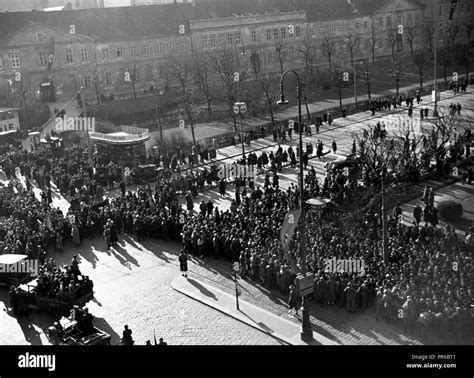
(66, 332)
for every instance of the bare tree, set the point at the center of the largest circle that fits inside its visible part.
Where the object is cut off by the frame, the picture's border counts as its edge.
(224, 66)
(202, 78)
(396, 73)
(428, 33)
(192, 111)
(308, 51)
(420, 61)
(376, 154)
(270, 89)
(352, 42)
(373, 39)
(464, 49)
(392, 37)
(329, 48)
(131, 75)
(411, 34)
(280, 52)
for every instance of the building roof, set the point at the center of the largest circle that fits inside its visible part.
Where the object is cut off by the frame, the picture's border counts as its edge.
(164, 20)
(139, 21)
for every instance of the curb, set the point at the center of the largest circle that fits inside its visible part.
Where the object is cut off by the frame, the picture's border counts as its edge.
(276, 336)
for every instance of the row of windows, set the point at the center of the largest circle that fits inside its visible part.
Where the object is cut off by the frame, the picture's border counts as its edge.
(283, 32)
(222, 39)
(459, 9)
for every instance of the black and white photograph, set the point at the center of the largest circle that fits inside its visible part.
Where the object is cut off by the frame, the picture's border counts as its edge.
(291, 175)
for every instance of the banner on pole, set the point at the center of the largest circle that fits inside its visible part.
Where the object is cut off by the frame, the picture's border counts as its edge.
(287, 229)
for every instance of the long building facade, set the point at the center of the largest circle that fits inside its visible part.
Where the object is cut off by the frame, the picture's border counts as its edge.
(117, 51)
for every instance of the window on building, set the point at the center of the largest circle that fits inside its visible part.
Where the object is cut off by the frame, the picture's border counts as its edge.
(105, 52)
(389, 21)
(268, 34)
(322, 29)
(339, 28)
(253, 36)
(230, 38)
(108, 78)
(213, 40)
(271, 57)
(238, 37)
(119, 52)
(283, 32)
(68, 54)
(440, 13)
(146, 49)
(399, 20)
(204, 41)
(43, 58)
(313, 31)
(87, 81)
(159, 48)
(297, 31)
(357, 25)
(367, 44)
(184, 46)
(348, 27)
(332, 28)
(409, 19)
(366, 24)
(1, 63)
(84, 53)
(275, 33)
(172, 45)
(221, 39)
(380, 21)
(133, 50)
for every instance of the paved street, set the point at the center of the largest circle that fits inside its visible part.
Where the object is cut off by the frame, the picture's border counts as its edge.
(132, 286)
(133, 282)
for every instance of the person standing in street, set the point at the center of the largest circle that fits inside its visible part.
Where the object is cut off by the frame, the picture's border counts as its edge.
(183, 263)
(334, 146)
(292, 301)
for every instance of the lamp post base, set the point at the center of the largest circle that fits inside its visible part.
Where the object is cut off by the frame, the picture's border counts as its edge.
(306, 332)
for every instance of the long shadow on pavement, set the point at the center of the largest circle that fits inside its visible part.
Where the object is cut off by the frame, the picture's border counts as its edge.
(202, 289)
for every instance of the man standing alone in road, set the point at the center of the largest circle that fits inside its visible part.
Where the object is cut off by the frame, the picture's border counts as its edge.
(183, 263)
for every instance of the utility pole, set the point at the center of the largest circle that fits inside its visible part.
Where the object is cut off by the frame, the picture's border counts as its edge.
(355, 84)
(84, 115)
(435, 110)
(306, 331)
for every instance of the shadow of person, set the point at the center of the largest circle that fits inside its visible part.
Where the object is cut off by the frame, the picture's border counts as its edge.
(202, 289)
(123, 251)
(102, 324)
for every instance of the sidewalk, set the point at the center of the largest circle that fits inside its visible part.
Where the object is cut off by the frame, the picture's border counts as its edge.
(276, 326)
(214, 128)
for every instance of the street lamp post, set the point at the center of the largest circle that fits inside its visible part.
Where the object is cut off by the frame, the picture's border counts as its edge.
(306, 332)
(84, 114)
(384, 221)
(240, 108)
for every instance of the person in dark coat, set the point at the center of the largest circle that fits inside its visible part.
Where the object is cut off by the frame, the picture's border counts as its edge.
(417, 212)
(183, 263)
(292, 301)
(222, 187)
